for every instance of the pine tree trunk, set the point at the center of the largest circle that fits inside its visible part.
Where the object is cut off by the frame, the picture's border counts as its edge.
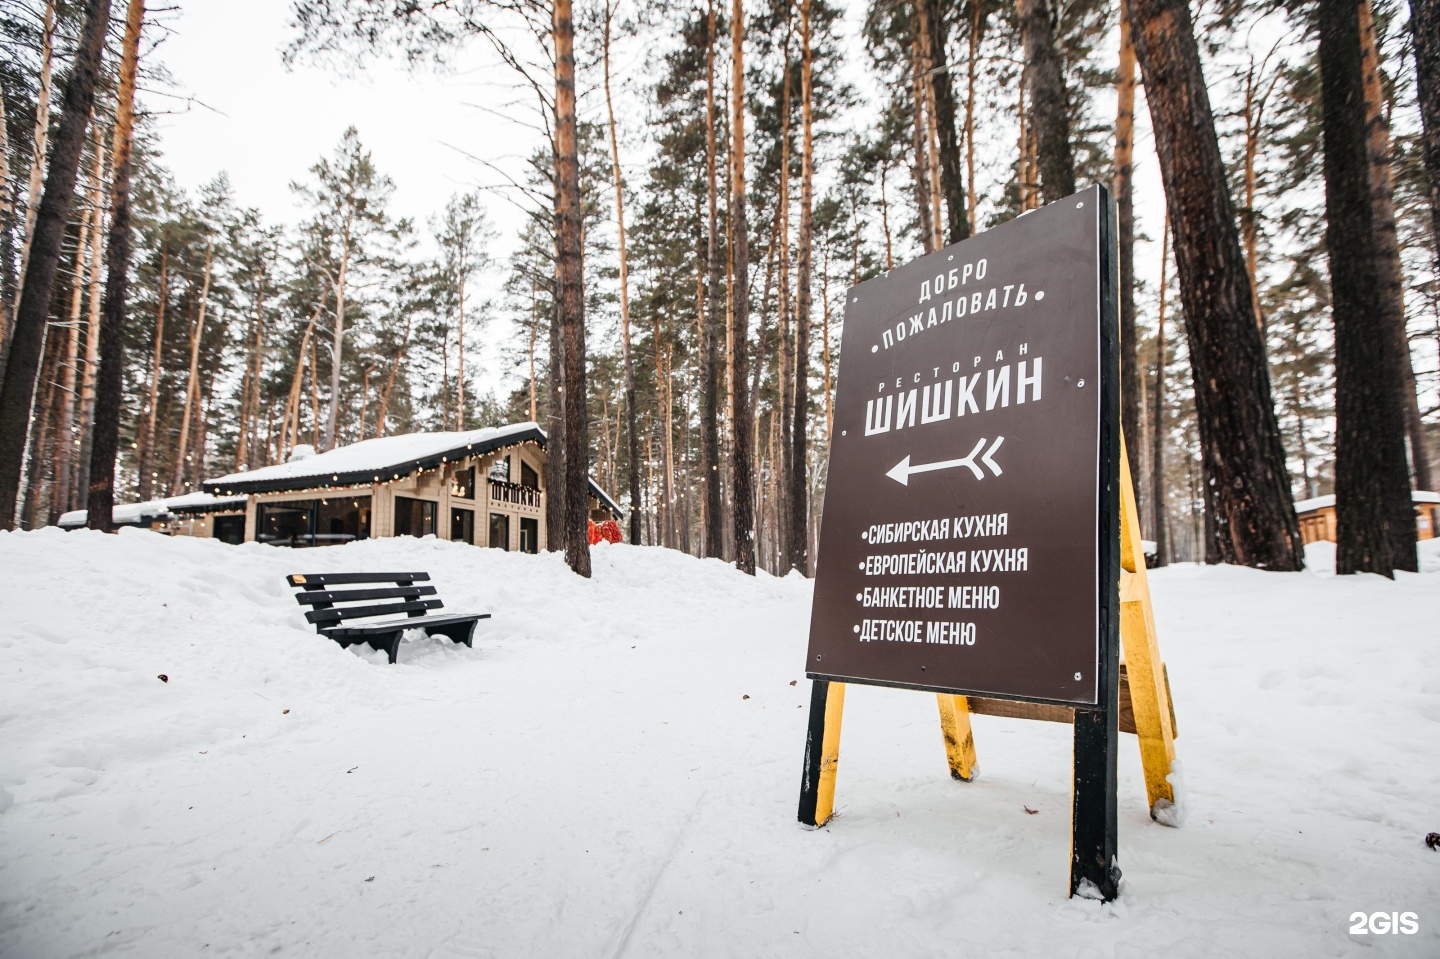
(17, 393)
(784, 342)
(1049, 105)
(921, 168)
(952, 182)
(1245, 477)
(1375, 525)
(93, 325)
(147, 429)
(460, 356)
(977, 23)
(62, 493)
(40, 434)
(632, 432)
(39, 142)
(742, 472)
(570, 294)
(1387, 244)
(192, 379)
(337, 340)
(712, 530)
(1425, 24)
(1159, 505)
(384, 410)
(799, 537)
(250, 400)
(555, 489)
(1125, 208)
(1249, 221)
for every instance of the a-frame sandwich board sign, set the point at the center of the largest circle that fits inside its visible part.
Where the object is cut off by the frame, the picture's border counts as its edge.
(971, 538)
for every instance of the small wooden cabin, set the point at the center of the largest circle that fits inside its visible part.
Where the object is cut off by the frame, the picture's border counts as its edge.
(1317, 516)
(484, 487)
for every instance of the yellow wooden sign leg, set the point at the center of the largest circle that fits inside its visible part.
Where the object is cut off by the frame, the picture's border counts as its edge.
(959, 740)
(822, 753)
(1149, 693)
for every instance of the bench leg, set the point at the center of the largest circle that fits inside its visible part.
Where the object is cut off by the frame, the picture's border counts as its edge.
(389, 642)
(458, 633)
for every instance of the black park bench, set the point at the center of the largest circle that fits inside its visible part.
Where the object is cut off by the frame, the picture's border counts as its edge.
(412, 597)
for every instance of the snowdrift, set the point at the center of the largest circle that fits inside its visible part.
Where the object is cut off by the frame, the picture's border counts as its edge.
(613, 770)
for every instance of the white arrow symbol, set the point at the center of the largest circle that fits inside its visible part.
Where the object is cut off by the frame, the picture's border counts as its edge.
(903, 470)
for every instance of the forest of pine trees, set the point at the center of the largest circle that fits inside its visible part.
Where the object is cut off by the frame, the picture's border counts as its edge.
(671, 310)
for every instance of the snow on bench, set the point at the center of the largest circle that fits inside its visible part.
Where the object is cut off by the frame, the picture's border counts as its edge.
(332, 620)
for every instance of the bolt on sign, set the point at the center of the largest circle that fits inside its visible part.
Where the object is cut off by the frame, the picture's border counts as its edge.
(959, 547)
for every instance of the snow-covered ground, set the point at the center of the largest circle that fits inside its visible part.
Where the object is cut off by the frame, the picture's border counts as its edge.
(613, 770)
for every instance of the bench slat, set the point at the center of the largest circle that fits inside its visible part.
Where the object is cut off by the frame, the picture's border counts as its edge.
(359, 612)
(340, 579)
(314, 596)
(414, 622)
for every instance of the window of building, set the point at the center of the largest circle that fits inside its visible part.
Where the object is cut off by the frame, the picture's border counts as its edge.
(342, 520)
(229, 529)
(285, 524)
(414, 517)
(528, 476)
(463, 483)
(529, 535)
(500, 469)
(499, 531)
(462, 526)
(313, 522)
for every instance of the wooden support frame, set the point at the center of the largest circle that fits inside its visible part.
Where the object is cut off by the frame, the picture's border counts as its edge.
(959, 740)
(1149, 685)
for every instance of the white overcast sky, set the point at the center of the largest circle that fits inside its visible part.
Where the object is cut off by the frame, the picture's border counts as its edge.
(264, 124)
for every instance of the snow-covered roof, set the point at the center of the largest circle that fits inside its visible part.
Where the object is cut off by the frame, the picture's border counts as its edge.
(203, 503)
(383, 458)
(123, 514)
(120, 515)
(371, 461)
(1320, 502)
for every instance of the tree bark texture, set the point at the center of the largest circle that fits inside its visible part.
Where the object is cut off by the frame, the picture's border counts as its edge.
(555, 489)
(1425, 24)
(1246, 482)
(1159, 507)
(952, 181)
(570, 294)
(713, 532)
(1049, 105)
(742, 470)
(108, 381)
(17, 392)
(147, 429)
(1387, 245)
(799, 509)
(1125, 210)
(632, 435)
(1375, 525)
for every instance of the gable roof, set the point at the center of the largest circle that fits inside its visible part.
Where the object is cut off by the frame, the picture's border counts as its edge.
(381, 459)
(374, 460)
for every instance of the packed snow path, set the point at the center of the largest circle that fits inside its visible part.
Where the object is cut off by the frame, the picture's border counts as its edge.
(613, 770)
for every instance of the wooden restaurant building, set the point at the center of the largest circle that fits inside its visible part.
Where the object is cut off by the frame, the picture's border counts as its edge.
(483, 487)
(1317, 516)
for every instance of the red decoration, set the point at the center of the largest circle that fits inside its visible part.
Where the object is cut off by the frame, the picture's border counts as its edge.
(609, 531)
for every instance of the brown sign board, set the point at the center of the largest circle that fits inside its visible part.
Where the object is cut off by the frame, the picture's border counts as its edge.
(966, 542)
